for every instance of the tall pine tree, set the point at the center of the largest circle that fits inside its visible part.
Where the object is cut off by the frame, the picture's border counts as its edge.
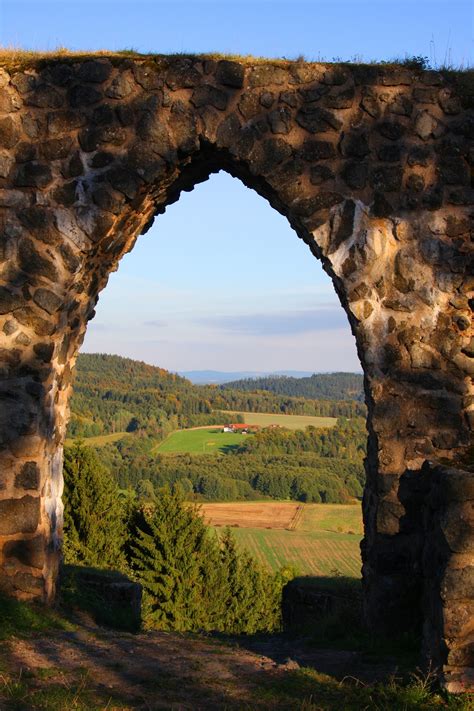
(94, 529)
(169, 543)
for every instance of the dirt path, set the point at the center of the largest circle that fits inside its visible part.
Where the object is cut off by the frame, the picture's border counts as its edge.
(157, 670)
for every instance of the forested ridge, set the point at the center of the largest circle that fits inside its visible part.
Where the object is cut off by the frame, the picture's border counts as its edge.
(325, 386)
(115, 394)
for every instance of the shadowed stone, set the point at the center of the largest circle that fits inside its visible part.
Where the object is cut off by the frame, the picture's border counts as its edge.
(19, 515)
(34, 175)
(317, 120)
(30, 552)
(9, 301)
(23, 582)
(96, 71)
(9, 132)
(230, 74)
(47, 300)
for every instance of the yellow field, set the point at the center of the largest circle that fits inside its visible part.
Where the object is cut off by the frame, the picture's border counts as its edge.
(252, 515)
(322, 540)
(99, 440)
(291, 422)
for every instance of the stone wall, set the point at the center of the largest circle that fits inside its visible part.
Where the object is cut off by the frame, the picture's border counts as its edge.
(372, 167)
(448, 575)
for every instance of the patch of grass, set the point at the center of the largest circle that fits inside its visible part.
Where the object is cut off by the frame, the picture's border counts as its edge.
(22, 619)
(97, 440)
(199, 441)
(21, 693)
(308, 690)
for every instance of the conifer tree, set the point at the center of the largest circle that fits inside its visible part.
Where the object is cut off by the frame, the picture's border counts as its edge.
(168, 546)
(254, 599)
(192, 580)
(94, 530)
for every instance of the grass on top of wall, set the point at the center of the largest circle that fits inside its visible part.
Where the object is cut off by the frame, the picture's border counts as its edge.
(16, 58)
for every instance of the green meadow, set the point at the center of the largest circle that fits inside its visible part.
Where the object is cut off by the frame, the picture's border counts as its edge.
(199, 441)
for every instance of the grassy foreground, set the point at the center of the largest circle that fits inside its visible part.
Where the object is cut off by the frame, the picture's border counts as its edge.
(93, 669)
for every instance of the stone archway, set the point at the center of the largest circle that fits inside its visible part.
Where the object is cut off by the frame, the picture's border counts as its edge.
(371, 166)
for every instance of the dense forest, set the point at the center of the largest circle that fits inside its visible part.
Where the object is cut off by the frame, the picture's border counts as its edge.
(322, 386)
(115, 394)
(318, 465)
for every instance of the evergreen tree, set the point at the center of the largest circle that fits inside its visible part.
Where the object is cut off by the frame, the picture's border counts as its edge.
(193, 581)
(94, 529)
(254, 597)
(169, 543)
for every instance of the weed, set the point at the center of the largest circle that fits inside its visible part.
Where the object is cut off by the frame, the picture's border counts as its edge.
(23, 619)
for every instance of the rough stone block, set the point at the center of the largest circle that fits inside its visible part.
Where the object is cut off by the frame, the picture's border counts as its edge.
(30, 552)
(19, 515)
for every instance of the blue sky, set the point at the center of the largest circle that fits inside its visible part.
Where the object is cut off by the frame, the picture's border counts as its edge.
(221, 281)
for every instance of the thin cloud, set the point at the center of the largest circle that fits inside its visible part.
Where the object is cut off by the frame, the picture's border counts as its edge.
(286, 323)
(155, 323)
(97, 326)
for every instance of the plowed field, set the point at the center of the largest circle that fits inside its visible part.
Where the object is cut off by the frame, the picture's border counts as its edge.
(252, 515)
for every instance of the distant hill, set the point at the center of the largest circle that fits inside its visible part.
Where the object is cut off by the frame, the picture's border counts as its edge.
(208, 377)
(114, 394)
(322, 386)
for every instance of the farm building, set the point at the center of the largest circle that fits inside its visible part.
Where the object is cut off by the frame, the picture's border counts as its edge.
(240, 428)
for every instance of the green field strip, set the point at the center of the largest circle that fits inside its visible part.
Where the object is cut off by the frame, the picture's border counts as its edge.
(309, 556)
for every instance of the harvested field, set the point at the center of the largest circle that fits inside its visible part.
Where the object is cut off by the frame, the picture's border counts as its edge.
(252, 515)
(316, 539)
(291, 422)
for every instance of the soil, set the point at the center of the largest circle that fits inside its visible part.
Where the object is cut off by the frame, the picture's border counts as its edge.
(158, 670)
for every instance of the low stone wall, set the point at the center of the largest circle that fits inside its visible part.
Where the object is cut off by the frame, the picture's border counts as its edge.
(109, 597)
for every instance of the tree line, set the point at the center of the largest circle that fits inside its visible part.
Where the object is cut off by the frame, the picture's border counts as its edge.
(319, 386)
